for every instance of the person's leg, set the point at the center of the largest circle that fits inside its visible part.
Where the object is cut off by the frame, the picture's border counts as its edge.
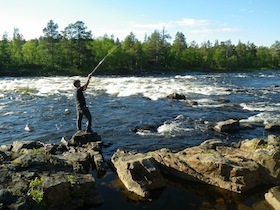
(79, 119)
(89, 119)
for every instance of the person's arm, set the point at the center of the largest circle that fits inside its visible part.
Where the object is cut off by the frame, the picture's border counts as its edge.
(86, 85)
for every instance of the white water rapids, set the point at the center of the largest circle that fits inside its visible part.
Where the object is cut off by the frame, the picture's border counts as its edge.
(120, 104)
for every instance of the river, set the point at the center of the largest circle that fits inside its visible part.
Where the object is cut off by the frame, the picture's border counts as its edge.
(42, 108)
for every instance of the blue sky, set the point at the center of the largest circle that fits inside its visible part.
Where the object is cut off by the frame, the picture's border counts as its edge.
(256, 21)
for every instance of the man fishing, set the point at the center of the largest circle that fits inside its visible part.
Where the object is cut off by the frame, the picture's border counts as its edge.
(82, 109)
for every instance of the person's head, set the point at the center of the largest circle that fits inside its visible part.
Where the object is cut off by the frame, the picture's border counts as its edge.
(77, 83)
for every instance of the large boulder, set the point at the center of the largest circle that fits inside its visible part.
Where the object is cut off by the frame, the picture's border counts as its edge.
(238, 169)
(227, 126)
(224, 167)
(267, 154)
(83, 150)
(81, 138)
(138, 172)
(78, 190)
(177, 96)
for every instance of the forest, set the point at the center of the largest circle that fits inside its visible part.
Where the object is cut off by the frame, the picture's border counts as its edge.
(74, 51)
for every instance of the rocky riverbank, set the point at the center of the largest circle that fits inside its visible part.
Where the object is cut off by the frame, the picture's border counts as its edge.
(237, 168)
(35, 175)
(39, 176)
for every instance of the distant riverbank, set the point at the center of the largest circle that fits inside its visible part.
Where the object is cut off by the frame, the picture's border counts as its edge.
(35, 72)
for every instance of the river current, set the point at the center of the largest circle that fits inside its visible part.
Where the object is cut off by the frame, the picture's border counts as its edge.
(42, 108)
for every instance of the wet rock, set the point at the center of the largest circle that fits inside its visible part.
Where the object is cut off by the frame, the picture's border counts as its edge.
(145, 129)
(273, 197)
(244, 126)
(81, 138)
(177, 96)
(227, 126)
(272, 127)
(138, 172)
(212, 144)
(193, 103)
(223, 100)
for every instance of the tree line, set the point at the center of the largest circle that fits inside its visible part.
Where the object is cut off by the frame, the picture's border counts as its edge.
(75, 51)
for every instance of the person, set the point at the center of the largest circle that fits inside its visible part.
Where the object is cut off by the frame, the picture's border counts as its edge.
(81, 106)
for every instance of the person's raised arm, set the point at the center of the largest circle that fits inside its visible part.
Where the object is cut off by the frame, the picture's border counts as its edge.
(86, 85)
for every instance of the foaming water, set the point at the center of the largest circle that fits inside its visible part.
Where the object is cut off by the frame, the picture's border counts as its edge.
(155, 88)
(120, 104)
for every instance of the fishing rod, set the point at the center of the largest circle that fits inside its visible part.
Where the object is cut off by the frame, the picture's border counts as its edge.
(100, 62)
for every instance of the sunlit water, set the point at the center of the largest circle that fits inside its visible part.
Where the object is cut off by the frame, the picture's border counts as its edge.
(42, 108)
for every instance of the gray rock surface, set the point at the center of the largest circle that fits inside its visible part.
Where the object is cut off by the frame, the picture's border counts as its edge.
(35, 175)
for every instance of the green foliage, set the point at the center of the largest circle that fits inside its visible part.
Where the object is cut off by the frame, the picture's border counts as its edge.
(71, 179)
(36, 189)
(39, 151)
(73, 51)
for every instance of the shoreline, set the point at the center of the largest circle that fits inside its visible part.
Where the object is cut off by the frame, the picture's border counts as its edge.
(139, 72)
(108, 187)
(178, 195)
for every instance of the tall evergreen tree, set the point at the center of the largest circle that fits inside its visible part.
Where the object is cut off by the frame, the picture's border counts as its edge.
(51, 36)
(132, 51)
(16, 48)
(5, 54)
(156, 49)
(79, 39)
(177, 48)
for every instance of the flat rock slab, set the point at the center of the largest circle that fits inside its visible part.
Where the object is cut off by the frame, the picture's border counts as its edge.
(138, 172)
(235, 168)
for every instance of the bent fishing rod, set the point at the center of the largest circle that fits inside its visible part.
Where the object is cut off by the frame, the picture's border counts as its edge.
(100, 62)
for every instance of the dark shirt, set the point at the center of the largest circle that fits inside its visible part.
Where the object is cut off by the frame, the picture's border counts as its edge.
(79, 98)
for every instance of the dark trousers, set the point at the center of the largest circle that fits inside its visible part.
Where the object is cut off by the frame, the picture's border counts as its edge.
(83, 111)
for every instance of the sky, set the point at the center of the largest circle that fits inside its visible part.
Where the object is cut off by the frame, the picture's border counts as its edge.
(255, 21)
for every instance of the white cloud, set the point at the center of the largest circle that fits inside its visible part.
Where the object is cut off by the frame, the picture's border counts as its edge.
(192, 22)
(189, 26)
(185, 22)
(214, 30)
(152, 26)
